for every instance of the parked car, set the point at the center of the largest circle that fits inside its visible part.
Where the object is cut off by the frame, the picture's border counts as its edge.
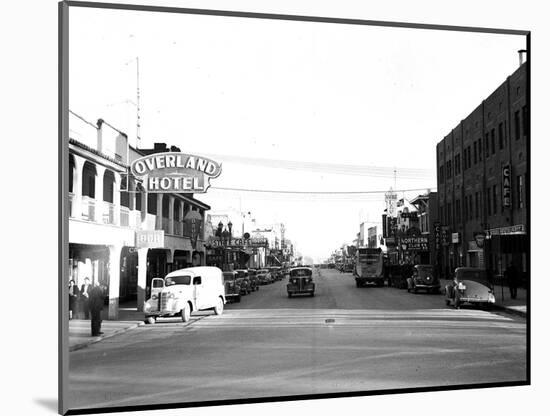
(251, 274)
(469, 285)
(232, 286)
(300, 281)
(264, 277)
(186, 291)
(423, 278)
(275, 273)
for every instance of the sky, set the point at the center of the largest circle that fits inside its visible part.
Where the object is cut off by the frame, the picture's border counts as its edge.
(288, 106)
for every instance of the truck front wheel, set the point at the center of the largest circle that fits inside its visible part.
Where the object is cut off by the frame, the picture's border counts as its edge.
(186, 313)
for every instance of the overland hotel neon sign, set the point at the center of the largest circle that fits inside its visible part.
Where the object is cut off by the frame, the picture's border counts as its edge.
(174, 172)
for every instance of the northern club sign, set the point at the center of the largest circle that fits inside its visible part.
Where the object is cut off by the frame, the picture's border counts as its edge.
(174, 172)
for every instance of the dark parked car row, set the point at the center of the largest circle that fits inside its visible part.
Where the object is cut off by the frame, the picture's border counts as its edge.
(242, 282)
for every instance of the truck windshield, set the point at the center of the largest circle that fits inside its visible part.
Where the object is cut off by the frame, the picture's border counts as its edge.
(300, 273)
(178, 280)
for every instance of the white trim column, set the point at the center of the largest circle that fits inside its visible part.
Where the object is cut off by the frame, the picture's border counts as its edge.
(180, 216)
(142, 277)
(116, 198)
(144, 208)
(99, 205)
(158, 221)
(114, 280)
(76, 209)
(171, 201)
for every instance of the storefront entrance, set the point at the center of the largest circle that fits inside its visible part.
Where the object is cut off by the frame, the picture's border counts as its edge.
(128, 276)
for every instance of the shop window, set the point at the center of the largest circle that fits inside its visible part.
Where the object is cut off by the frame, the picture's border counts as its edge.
(516, 125)
(494, 199)
(488, 195)
(152, 203)
(519, 181)
(525, 117)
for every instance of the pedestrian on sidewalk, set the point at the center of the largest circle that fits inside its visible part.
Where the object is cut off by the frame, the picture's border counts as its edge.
(95, 303)
(85, 298)
(73, 299)
(511, 275)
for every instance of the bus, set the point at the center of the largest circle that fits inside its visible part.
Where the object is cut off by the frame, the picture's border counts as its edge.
(369, 267)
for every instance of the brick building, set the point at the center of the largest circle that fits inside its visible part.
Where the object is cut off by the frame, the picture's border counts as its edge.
(482, 177)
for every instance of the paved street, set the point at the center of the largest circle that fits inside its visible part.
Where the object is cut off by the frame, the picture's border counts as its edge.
(343, 339)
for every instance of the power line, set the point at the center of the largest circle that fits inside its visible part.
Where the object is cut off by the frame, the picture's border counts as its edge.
(329, 168)
(316, 192)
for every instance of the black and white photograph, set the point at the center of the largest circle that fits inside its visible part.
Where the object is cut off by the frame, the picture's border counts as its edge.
(266, 209)
(270, 207)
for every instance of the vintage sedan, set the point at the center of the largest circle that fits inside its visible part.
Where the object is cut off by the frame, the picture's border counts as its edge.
(423, 278)
(470, 285)
(249, 274)
(232, 286)
(300, 281)
(264, 277)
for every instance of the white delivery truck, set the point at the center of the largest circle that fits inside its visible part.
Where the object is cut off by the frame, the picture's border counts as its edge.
(185, 291)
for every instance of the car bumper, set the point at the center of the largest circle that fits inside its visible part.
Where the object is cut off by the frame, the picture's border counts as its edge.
(426, 286)
(476, 300)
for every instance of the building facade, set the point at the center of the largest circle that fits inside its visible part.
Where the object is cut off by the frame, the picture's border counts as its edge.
(120, 235)
(482, 177)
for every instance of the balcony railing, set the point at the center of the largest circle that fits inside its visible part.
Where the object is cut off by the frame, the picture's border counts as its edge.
(124, 216)
(166, 225)
(109, 213)
(88, 208)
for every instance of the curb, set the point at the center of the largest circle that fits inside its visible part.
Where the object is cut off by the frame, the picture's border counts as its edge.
(511, 311)
(101, 338)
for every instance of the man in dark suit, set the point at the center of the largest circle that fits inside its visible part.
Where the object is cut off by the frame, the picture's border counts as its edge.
(85, 297)
(95, 304)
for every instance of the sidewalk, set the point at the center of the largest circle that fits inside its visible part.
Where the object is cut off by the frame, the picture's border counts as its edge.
(517, 306)
(80, 329)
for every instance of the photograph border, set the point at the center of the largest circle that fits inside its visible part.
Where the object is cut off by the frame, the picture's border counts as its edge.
(63, 212)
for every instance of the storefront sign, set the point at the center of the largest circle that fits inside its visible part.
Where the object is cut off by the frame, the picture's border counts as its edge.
(238, 242)
(506, 186)
(514, 229)
(413, 214)
(150, 239)
(414, 243)
(174, 172)
(390, 241)
(455, 238)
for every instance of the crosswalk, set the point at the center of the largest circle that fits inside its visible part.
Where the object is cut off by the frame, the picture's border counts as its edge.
(305, 318)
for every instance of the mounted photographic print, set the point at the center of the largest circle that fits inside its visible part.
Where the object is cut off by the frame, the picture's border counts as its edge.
(262, 207)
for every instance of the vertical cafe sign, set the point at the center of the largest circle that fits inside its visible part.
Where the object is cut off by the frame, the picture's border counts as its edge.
(174, 172)
(506, 186)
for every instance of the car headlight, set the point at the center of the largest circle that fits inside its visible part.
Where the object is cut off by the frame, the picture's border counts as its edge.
(491, 298)
(147, 307)
(154, 297)
(171, 295)
(461, 286)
